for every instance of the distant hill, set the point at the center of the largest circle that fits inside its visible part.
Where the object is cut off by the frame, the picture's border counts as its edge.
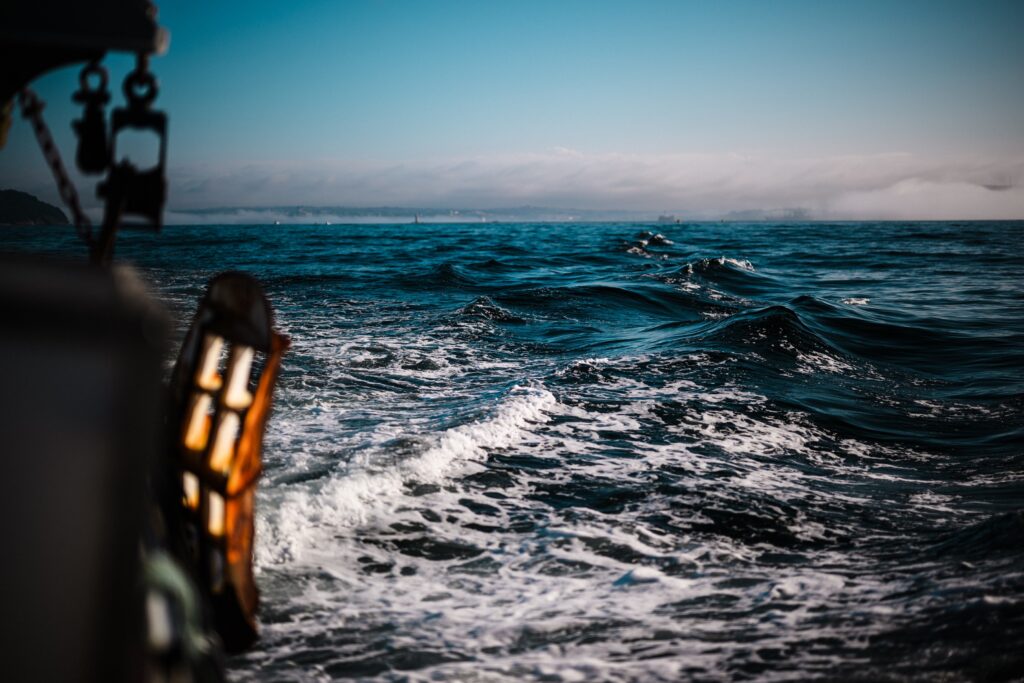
(21, 208)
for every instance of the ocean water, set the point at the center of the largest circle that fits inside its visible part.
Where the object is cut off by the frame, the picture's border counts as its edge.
(512, 452)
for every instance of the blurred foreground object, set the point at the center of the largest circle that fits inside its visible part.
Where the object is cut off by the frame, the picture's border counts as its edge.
(80, 400)
(41, 35)
(128, 533)
(128, 518)
(220, 402)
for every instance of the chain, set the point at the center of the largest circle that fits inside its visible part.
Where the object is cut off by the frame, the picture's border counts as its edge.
(32, 109)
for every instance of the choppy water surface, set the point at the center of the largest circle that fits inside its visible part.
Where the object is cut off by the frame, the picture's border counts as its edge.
(586, 452)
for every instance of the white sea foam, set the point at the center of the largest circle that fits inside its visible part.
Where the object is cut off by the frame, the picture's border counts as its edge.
(823, 362)
(528, 592)
(715, 315)
(742, 264)
(367, 487)
(577, 573)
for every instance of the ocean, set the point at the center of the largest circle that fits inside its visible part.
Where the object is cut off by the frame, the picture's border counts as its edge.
(631, 452)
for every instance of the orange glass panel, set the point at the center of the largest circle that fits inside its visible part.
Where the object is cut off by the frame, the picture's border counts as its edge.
(214, 514)
(190, 488)
(197, 426)
(237, 395)
(207, 375)
(224, 442)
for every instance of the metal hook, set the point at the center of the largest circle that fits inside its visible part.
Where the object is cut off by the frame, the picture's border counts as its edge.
(93, 154)
(84, 91)
(140, 86)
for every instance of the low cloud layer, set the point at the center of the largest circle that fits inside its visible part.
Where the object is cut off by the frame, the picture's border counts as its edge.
(895, 186)
(880, 186)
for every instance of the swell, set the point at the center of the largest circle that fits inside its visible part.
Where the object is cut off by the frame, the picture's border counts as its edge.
(894, 337)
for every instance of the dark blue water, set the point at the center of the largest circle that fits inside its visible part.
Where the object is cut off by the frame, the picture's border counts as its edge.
(584, 452)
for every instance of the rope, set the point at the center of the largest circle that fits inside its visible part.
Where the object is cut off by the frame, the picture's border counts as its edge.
(32, 109)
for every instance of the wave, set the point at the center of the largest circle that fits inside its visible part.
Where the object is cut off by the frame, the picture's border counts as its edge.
(999, 534)
(371, 485)
(722, 275)
(771, 331)
(708, 266)
(647, 243)
(307, 279)
(894, 338)
(484, 307)
(444, 275)
(493, 265)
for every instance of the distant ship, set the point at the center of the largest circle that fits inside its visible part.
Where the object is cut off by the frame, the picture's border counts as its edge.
(668, 218)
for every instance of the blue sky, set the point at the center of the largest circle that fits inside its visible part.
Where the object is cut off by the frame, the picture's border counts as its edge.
(872, 107)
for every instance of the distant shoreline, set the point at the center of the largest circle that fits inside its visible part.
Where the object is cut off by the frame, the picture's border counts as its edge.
(644, 223)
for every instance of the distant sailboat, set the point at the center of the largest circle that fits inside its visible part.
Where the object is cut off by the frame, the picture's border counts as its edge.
(416, 219)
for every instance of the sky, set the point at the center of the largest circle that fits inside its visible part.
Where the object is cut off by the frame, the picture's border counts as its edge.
(849, 109)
